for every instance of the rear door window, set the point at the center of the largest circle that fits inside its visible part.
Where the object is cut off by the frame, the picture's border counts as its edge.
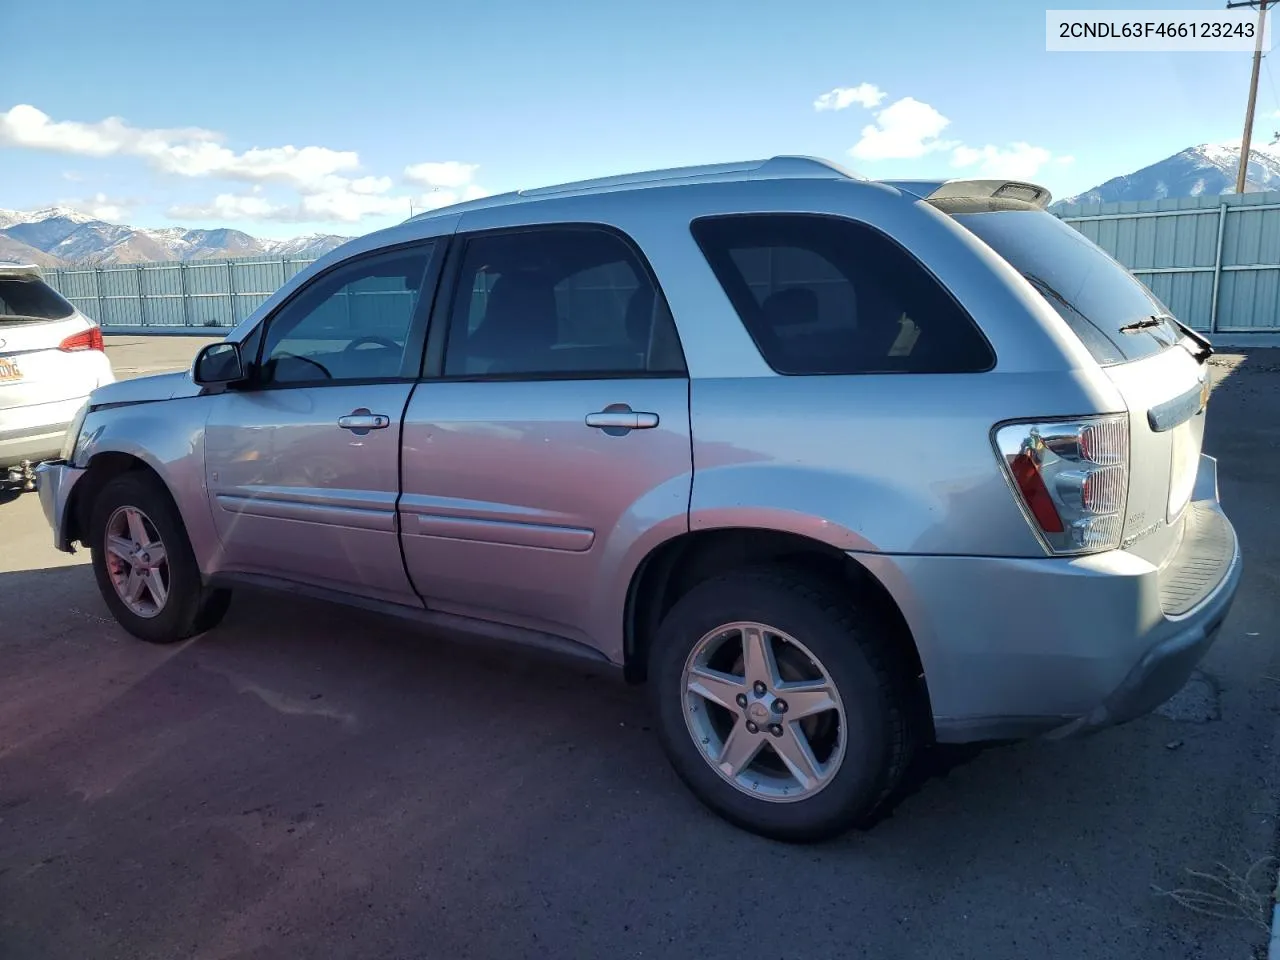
(826, 295)
(1095, 295)
(561, 301)
(23, 299)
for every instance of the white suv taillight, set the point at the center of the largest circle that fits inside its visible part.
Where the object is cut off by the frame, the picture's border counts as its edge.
(1072, 477)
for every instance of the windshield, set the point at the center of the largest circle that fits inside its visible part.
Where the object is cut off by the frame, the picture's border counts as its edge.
(1096, 296)
(29, 298)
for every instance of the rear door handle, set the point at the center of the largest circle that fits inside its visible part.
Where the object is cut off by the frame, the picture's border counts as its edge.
(618, 418)
(362, 421)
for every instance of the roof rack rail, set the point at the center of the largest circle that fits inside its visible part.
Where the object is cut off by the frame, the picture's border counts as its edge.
(780, 167)
(774, 167)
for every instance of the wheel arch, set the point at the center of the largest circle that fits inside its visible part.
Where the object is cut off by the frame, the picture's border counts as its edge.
(677, 565)
(103, 467)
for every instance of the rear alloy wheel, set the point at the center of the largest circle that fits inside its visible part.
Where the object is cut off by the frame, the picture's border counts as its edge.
(144, 565)
(782, 706)
(764, 712)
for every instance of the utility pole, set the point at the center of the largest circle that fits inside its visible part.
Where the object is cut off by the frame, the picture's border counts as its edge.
(1247, 141)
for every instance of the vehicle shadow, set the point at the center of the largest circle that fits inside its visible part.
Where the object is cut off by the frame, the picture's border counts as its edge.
(304, 760)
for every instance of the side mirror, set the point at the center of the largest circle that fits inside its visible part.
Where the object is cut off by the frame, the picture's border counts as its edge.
(218, 363)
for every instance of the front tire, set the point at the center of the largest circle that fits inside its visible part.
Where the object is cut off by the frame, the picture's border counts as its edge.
(784, 707)
(144, 565)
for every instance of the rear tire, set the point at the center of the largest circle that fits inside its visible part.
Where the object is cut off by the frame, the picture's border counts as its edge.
(818, 631)
(164, 599)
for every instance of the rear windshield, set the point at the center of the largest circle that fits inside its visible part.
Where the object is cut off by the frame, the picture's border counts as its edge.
(1089, 290)
(23, 299)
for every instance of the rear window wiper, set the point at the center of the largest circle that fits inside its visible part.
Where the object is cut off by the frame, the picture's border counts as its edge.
(1145, 324)
(1204, 349)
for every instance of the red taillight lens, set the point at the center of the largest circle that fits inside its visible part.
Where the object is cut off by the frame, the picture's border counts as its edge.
(1072, 477)
(90, 339)
(1035, 493)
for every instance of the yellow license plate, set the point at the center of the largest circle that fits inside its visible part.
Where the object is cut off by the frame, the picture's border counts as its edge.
(9, 370)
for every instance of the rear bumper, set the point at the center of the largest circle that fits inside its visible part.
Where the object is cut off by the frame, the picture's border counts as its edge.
(1015, 647)
(35, 432)
(54, 482)
(1164, 668)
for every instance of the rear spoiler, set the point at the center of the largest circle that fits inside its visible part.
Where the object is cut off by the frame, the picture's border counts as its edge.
(942, 190)
(20, 271)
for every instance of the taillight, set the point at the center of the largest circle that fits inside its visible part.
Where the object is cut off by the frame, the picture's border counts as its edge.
(1072, 477)
(90, 339)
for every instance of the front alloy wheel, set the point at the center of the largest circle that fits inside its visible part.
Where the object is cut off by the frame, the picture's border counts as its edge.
(143, 561)
(137, 562)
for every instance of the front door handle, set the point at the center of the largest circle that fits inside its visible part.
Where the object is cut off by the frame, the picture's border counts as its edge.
(618, 418)
(361, 421)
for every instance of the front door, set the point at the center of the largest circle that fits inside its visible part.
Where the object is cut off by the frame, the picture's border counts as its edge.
(303, 462)
(553, 434)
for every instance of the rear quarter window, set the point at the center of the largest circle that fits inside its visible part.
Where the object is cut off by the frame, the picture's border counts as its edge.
(827, 295)
(29, 298)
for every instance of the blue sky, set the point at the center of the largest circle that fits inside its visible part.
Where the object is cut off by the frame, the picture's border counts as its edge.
(286, 118)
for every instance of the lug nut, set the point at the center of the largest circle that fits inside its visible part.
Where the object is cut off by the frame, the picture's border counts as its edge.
(759, 688)
(780, 706)
(752, 728)
(775, 729)
(742, 699)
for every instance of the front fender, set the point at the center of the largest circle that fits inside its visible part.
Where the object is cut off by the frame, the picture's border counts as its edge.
(168, 436)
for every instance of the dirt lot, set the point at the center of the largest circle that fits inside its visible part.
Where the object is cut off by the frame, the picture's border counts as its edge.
(309, 781)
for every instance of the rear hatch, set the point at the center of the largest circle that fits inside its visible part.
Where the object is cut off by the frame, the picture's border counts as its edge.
(1158, 365)
(40, 337)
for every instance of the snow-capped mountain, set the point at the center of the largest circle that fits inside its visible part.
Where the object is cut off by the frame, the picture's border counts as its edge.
(1206, 170)
(59, 236)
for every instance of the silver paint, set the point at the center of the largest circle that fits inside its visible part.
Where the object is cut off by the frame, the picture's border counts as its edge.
(514, 514)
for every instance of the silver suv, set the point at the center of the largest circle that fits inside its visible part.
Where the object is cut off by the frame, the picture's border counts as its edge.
(838, 468)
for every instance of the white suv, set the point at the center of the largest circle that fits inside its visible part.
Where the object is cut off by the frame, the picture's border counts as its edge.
(51, 359)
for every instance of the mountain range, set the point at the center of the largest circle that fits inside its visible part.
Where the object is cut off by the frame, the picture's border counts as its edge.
(1206, 170)
(59, 236)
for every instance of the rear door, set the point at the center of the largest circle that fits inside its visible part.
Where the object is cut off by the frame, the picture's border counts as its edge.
(1162, 375)
(552, 430)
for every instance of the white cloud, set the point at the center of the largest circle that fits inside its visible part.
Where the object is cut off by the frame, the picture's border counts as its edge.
(184, 151)
(904, 130)
(101, 207)
(444, 174)
(371, 185)
(1018, 161)
(25, 126)
(341, 201)
(302, 167)
(347, 206)
(320, 176)
(864, 94)
(226, 206)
